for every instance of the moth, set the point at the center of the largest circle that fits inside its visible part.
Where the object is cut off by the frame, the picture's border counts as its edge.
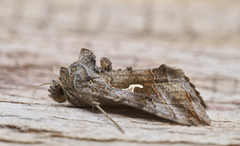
(164, 91)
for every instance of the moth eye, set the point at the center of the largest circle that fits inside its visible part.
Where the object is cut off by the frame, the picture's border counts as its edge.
(56, 92)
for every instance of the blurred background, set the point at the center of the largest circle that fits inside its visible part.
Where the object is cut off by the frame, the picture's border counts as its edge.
(214, 20)
(201, 37)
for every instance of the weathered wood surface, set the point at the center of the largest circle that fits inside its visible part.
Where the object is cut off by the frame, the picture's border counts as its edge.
(37, 35)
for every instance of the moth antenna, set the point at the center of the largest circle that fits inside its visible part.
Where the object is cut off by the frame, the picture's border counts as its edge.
(35, 89)
(98, 107)
(53, 69)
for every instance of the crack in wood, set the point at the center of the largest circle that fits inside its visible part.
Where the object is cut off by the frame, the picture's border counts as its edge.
(133, 141)
(27, 129)
(19, 142)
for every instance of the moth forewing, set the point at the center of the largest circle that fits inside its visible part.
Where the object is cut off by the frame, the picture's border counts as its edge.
(164, 91)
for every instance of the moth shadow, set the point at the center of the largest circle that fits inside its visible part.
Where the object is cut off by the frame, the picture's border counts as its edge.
(129, 112)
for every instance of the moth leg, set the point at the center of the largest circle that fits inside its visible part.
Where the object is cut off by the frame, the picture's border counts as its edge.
(99, 108)
(90, 99)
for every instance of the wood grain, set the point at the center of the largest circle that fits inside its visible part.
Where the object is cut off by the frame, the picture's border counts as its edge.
(201, 37)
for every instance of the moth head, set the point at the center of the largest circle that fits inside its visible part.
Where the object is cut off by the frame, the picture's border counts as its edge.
(56, 92)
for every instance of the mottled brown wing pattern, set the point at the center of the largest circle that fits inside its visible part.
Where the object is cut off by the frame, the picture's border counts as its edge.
(179, 96)
(166, 92)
